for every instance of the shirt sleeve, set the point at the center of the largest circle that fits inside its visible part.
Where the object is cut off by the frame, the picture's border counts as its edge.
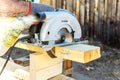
(36, 8)
(21, 8)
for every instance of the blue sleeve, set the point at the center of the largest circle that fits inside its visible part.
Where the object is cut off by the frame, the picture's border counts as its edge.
(36, 7)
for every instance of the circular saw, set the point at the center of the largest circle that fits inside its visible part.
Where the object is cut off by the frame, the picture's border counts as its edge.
(56, 27)
(45, 28)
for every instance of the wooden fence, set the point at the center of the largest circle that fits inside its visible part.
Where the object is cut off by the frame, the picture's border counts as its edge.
(99, 19)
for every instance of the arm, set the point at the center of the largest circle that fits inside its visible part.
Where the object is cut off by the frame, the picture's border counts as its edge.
(13, 7)
(21, 8)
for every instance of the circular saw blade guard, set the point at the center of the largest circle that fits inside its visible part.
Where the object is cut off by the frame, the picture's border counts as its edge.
(56, 21)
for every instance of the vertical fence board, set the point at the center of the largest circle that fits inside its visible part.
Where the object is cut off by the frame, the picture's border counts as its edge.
(53, 3)
(45, 1)
(95, 18)
(59, 3)
(118, 21)
(86, 23)
(100, 18)
(82, 14)
(113, 22)
(56, 5)
(77, 9)
(74, 6)
(108, 20)
(114, 2)
(82, 8)
(116, 28)
(63, 4)
(91, 18)
(118, 14)
(69, 5)
(104, 22)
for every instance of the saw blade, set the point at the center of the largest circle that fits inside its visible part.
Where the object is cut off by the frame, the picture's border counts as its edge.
(63, 36)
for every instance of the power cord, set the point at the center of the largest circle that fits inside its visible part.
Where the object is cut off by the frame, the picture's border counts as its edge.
(9, 52)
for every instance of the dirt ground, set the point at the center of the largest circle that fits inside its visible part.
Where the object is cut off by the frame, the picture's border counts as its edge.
(105, 68)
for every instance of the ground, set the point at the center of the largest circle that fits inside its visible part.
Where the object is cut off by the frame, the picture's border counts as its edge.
(105, 68)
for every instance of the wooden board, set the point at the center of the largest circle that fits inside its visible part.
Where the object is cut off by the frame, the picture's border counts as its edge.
(62, 77)
(79, 52)
(7, 75)
(45, 2)
(29, 47)
(11, 65)
(11, 69)
(43, 67)
(67, 68)
(21, 74)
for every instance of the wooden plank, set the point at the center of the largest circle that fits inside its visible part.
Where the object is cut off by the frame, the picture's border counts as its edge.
(42, 58)
(113, 22)
(11, 65)
(46, 73)
(67, 65)
(64, 4)
(29, 47)
(116, 30)
(21, 74)
(100, 26)
(69, 5)
(78, 9)
(11, 69)
(104, 32)
(87, 27)
(59, 3)
(118, 20)
(91, 18)
(8, 75)
(74, 6)
(68, 72)
(45, 2)
(43, 67)
(95, 18)
(114, 3)
(118, 14)
(80, 52)
(53, 3)
(87, 11)
(82, 12)
(62, 77)
(108, 21)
